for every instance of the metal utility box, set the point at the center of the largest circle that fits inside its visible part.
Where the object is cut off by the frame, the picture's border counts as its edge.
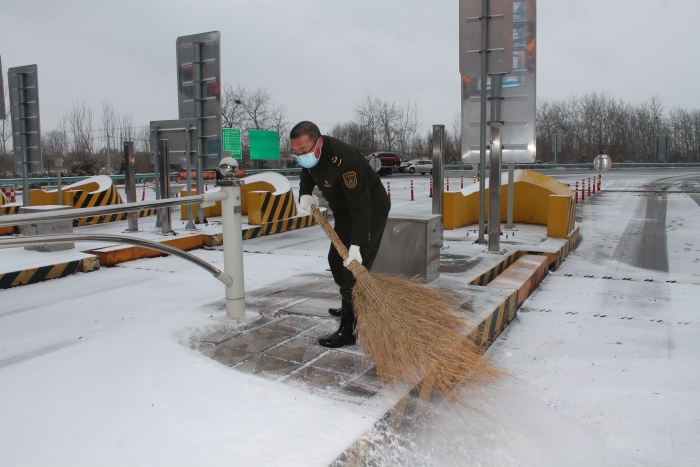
(48, 228)
(411, 247)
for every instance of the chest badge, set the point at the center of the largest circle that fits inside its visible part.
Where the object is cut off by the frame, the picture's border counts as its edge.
(326, 184)
(350, 179)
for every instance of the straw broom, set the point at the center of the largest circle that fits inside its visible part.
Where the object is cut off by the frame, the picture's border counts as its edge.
(412, 337)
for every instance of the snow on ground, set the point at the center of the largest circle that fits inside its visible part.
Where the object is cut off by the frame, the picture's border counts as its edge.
(95, 368)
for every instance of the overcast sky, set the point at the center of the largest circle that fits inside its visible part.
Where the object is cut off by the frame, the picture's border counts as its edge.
(319, 58)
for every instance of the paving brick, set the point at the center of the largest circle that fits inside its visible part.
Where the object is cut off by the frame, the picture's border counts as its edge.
(230, 356)
(219, 336)
(300, 350)
(292, 324)
(368, 380)
(342, 362)
(318, 378)
(313, 307)
(353, 389)
(324, 328)
(267, 366)
(256, 341)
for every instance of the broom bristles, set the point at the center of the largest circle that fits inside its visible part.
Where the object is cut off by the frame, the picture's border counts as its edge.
(411, 332)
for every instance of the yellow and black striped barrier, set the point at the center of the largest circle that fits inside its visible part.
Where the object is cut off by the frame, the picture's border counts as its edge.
(108, 197)
(492, 273)
(44, 273)
(6, 209)
(274, 227)
(265, 207)
(271, 228)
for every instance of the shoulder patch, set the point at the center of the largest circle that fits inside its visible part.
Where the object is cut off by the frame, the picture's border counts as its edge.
(350, 179)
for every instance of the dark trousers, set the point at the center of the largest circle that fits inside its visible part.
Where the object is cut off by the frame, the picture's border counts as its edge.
(343, 227)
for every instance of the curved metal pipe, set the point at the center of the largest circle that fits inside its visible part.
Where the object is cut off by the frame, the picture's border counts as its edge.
(163, 248)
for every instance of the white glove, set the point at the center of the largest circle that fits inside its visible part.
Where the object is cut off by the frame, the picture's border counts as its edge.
(353, 255)
(305, 203)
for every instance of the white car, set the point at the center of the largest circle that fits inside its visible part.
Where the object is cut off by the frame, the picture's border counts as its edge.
(422, 166)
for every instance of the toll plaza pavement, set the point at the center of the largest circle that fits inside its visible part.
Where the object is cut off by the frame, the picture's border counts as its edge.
(99, 368)
(604, 356)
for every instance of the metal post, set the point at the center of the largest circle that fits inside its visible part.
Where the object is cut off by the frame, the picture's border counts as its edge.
(482, 136)
(197, 90)
(511, 194)
(58, 162)
(232, 226)
(188, 151)
(156, 169)
(24, 141)
(130, 184)
(438, 151)
(58, 188)
(495, 188)
(166, 220)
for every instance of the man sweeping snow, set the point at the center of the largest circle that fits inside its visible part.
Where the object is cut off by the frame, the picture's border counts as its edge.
(360, 208)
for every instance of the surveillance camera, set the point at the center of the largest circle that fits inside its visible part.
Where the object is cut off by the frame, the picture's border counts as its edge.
(228, 167)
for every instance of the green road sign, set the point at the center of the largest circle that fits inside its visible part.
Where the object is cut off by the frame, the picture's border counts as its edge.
(264, 144)
(231, 139)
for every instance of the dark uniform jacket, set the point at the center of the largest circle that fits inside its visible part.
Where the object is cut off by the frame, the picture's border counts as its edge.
(350, 186)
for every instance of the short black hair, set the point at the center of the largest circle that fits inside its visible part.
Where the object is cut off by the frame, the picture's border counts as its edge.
(305, 129)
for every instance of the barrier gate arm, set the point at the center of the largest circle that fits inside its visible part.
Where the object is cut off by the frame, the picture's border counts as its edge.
(163, 248)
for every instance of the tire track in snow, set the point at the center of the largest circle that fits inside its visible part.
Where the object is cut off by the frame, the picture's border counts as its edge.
(643, 243)
(37, 353)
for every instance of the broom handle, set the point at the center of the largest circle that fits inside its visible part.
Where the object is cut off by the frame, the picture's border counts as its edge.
(335, 240)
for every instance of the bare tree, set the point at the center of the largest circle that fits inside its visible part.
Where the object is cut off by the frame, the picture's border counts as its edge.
(54, 144)
(142, 138)
(255, 109)
(381, 125)
(125, 128)
(596, 121)
(251, 109)
(232, 112)
(81, 126)
(109, 127)
(6, 147)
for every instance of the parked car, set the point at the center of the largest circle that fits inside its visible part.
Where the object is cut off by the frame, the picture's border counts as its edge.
(390, 162)
(422, 166)
(405, 165)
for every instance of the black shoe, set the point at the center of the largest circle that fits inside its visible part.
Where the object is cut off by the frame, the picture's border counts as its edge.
(344, 335)
(335, 311)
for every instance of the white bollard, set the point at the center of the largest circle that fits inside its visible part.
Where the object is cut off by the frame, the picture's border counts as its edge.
(232, 226)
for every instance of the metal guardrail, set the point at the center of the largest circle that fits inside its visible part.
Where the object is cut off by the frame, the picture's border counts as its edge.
(620, 165)
(64, 180)
(22, 219)
(173, 175)
(163, 248)
(230, 197)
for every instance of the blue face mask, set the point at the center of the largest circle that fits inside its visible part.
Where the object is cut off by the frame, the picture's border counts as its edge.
(308, 160)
